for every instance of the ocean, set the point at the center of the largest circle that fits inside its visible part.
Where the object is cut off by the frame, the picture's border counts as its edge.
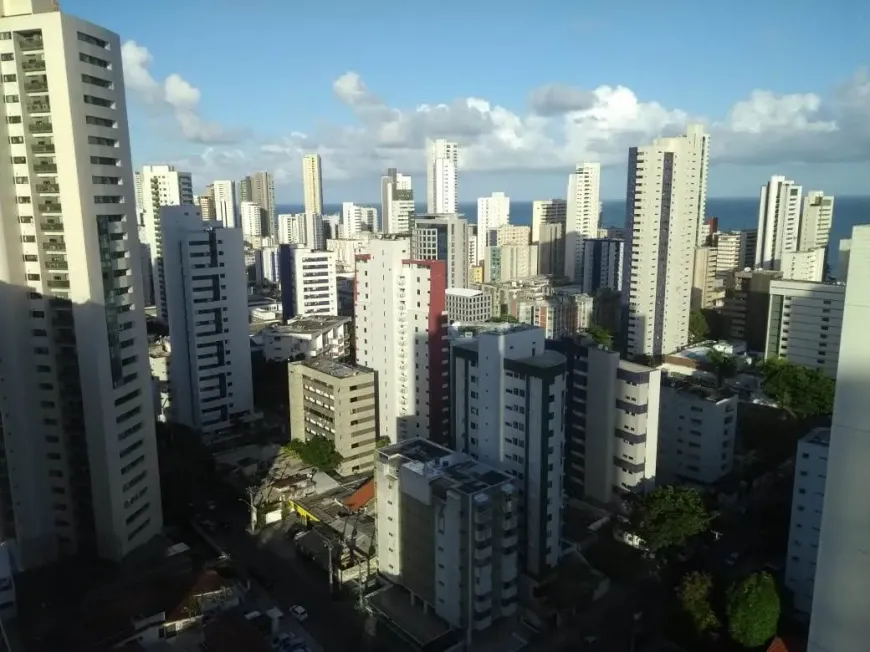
(733, 213)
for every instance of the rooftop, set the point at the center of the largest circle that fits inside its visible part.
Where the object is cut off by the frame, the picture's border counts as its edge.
(446, 468)
(307, 324)
(820, 436)
(333, 367)
(700, 391)
(464, 292)
(635, 367)
(544, 359)
(492, 327)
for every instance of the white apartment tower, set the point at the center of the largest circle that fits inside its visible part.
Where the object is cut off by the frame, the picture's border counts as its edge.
(507, 409)
(808, 498)
(252, 222)
(492, 212)
(665, 203)
(263, 193)
(779, 217)
(443, 237)
(608, 451)
(225, 211)
(816, 220)
(397, 202)
(356, 219)
(448, 531)
(79, 460)
(210, 371)
(583, 213)
(547, 211)
(308, 283)
(442, 167)
(400, 330)
(840, 599)
(312, 184)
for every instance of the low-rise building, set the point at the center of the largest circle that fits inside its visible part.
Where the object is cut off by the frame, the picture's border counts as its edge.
(464, 305)
(696, 432)
(448, 533)
(305, 337)
(336, 401)
(810, 476)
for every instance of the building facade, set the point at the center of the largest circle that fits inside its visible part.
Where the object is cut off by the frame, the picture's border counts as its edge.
(210, 370)
(779, 217)
(336, 401)
(263, 194)
(397, 202)
(667, 189)
(548, 211)
(583, 214)
(492, 212)
(551, 248)
(442, 168)
(305, 337)
(468, 306)
(507, 403)
(225, 203)
(445, 238)
(79, 458)
(602, 264)
(312, 184)
(308, 282)
(510, 263)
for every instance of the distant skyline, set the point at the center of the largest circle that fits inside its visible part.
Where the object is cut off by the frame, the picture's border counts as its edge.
(527, 93)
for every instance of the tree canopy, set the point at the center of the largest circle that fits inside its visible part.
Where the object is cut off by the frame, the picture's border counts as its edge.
(698, 327)
(601, 335)
(802, 391)
(724, 365)
(318, 451)
(752, 607)
(694, 595)
(668, 517)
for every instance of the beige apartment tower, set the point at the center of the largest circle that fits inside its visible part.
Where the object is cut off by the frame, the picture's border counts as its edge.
(312, 184)
(337, 401)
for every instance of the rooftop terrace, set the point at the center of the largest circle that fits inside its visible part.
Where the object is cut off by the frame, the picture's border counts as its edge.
(334, 368)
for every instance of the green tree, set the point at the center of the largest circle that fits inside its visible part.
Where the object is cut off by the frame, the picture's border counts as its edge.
(601, 335)
(724, 365)
(668, 517)
(694, 595)
(382, 441)
(506, 319)
(804, 392)
(752, 607)
(318, 451)
(698, 327)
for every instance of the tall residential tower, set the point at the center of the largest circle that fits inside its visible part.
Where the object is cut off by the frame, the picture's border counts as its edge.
(312, 184)
(442, 166)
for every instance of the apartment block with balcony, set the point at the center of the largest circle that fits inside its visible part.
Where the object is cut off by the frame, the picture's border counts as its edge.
(337, 401)
(464, 305)
(805, 323)
(697, 433)
(746, 306)
(308, 282)
(449, 533)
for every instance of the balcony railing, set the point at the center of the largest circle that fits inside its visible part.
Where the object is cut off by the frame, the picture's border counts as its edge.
(35, 85)
(50, 207)
(42, 148)
(61, 285)
(39, 107)
(51, 226)
(47, 187)
(45, 167)
(31, 43)
(40, 128)
(54, 246)
(56, 265)
(33, 65)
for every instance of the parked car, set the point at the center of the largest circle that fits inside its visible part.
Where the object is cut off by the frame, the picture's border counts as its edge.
(299, 613)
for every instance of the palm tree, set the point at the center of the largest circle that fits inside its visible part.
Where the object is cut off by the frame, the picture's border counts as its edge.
(725, 365)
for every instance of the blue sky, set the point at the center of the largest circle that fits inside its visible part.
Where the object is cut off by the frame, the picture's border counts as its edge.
(267, 79)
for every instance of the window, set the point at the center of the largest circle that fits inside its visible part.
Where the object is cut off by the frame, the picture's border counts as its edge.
(11, 99)
(94, 61)
(99, 101)
(96, 81)
(10, 78)
(13, 119)
(7, 56)
(97, 140)
(16, 140)
(100, 122)
(93, 40)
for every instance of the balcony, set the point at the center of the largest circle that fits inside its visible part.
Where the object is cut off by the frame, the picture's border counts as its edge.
(45, 168)
(482, 534)
(33, 65)
(54, 246)
(483, 554)
(58, 285)
(54, 225)
(42, 148)
(50, 207)
(48, 187)
(39, 107)
(40, 127)
(35, 84)
(28, 44)
(56, 264)
(509, 591)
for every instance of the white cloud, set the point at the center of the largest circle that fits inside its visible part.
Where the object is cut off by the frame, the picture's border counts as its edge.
(175, 95)
(562, 125)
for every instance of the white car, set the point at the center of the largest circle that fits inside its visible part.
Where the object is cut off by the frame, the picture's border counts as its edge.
(299, 613)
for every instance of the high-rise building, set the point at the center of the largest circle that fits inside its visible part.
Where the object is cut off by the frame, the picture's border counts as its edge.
(397, 202)
(779, 217)
(468, 306)
(312, 232)
(609, 451)
(707, 290)
(816, 221)
(263, 193)
(162, 185)
(205, 203)
(564, 312)
(291, 228)
(336, 401)
(492, 212)
(844, 250)
(312, 184)
(448, 531)
(443, 237)
(667, 189)
(510, 263)
(510, 234)
(602, 264)
(442, 167)
(805, 323)
(308, 285)
(246, 189)
(551, 248)
(840, 598)
(210, 372)
(507, 408)
(356, 219)
(734, 249)
(547, 211)
(583, 213)
(252, 222)
(806, 265)
(808, 497)
(80, 471)
(225, 205)
(696, 433)
(746, 306)
(400, 331)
